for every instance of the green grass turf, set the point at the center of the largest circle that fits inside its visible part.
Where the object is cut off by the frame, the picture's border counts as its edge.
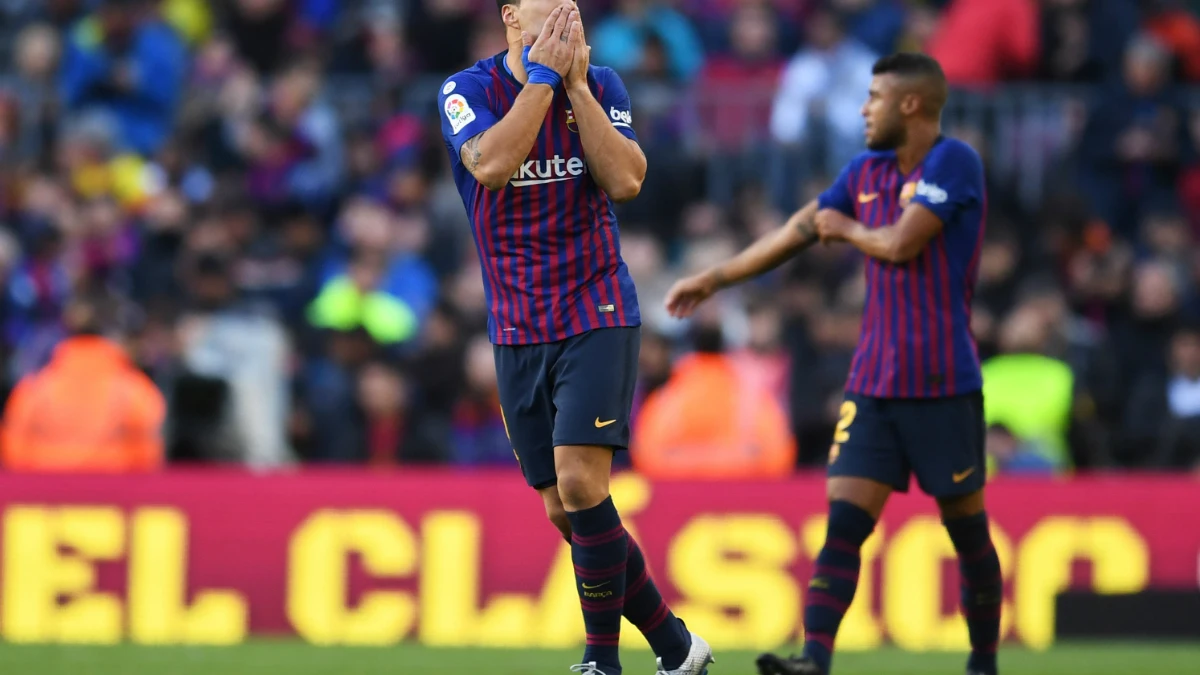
(291, 658)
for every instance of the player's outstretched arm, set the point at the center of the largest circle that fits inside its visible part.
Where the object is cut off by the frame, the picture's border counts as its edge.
(764, 255)
(494, 156)
(616, 162)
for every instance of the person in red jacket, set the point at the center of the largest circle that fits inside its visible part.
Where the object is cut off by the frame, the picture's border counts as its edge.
(982, 42)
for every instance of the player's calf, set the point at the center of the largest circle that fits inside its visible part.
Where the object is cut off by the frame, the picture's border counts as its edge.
(982, 582)
(835, 580)
(599, 548)
(644, 605)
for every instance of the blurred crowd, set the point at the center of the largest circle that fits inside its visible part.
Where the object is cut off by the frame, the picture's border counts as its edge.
(228, 232)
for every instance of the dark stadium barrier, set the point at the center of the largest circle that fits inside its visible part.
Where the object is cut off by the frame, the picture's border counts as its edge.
(1149, 615)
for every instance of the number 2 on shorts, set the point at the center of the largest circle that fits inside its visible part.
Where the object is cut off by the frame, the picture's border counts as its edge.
(847, 414)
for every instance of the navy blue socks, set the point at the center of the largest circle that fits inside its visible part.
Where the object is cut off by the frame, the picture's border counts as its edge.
(645, 608)
(982, 587)
(599, 548)
(835, 579)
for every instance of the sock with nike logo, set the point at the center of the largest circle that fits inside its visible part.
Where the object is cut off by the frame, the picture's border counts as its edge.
(982, 587)
(599, 548)
(835, 579)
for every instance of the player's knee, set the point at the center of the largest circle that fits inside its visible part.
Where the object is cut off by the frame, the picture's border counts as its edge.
(961, 507)
(555, 512)
(868, 495)
(580, 491)
(558, 517)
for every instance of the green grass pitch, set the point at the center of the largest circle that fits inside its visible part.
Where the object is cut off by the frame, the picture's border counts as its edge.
(291, 658)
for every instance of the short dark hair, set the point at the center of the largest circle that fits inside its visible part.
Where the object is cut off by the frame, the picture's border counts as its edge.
(501, 3)
(909, 64)
(918, 68)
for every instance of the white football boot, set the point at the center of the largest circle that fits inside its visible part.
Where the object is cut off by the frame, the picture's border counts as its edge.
(696, 663)
(587, 669)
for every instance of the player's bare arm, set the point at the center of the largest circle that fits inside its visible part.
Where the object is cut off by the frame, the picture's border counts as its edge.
(896, 244)
(764, 255)
(494, 156)
(615, 162)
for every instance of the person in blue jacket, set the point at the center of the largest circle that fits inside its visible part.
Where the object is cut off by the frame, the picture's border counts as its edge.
(128, 67)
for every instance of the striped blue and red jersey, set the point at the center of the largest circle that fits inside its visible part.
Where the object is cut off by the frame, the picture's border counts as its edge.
(548, 242)
(916, 339)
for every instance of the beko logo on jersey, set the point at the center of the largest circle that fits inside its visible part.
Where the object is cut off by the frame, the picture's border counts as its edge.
(556, 170)
(932, 192)
(621, 118)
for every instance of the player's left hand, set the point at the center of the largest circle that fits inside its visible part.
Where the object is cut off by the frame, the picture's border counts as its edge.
(577, 77)
(833, 225)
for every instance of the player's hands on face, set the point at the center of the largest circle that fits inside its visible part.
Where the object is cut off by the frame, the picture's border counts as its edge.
(555, 47)
(833, 225)
(687, 294)
(583, 58)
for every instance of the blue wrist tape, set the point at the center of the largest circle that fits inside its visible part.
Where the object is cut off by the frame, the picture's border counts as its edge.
(539, 74)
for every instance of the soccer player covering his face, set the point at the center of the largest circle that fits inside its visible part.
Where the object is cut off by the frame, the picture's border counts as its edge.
(541, 144)
(914, 204)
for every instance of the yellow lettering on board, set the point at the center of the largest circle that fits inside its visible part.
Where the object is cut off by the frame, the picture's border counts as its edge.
(739, 564)
(1119, 557)
(158, 609)
(37, 572)
(317, 578)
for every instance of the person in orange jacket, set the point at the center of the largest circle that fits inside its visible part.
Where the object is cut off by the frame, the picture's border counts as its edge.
(712, 421)
(90, 410)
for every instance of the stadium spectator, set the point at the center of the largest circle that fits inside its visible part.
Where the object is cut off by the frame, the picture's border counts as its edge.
(1162, 420)
(710, 420)
(816, 109)
(1179, 30)
(61, 14)
(38, 52)
(878, 24)
(478, 434)
(763, 360)
(734, 101)
(393, 431)
(438, 30)
(1008, 455)
(260, 30)
(1029, 393)
(1084, 40)
(1135, 140)
(127, 68)
(367, 225)
(982, 42)
(89, 410)
(619, 40)
(236, 355)
(328, 423)
(1039, 398)
(356, 300)
(1143, 334)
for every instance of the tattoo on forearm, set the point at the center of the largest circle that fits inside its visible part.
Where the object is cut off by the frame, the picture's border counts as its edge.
(471, 154)
(807, 229)
(719, 278)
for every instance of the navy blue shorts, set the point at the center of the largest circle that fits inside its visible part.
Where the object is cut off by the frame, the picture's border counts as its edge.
(889, 439)
(577, 391)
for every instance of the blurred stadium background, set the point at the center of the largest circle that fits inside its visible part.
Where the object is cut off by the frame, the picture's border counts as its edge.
(248, 202)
